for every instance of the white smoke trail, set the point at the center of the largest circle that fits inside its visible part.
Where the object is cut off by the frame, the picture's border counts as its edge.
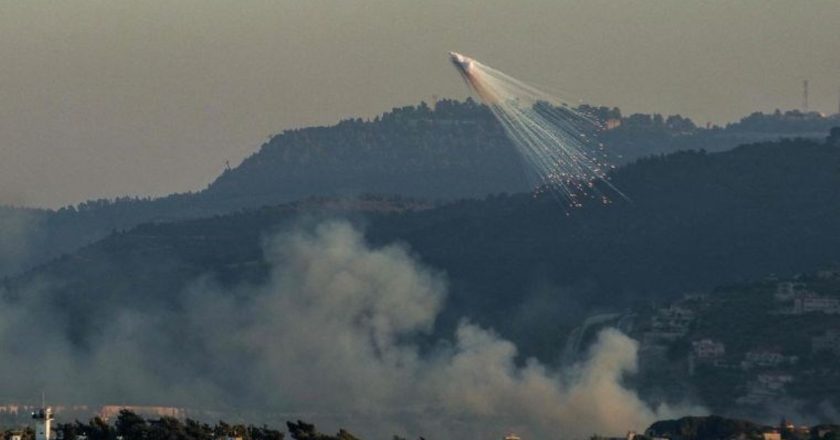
(557, 143)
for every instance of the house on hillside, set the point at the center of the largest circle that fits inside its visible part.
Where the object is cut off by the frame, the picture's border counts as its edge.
(828, 341)
(669, 324)
(810, 302)
(787, 290)
(829, 274)
(766, 358)
(707, 349)
(765, 388)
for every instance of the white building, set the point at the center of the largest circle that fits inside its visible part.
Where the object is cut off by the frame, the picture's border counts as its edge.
(707, 349)
(674, 318)
(829, 274)
(771, 435)
(766, 358)
(774, 381)
(828, 341)
(766, 388)
(43, 423)
(787, 290)
(669, 324)
(810, 302)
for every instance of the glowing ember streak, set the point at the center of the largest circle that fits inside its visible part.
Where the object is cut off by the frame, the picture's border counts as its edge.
(557, 143)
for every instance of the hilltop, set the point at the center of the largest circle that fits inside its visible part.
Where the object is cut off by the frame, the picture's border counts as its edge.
(451, 151)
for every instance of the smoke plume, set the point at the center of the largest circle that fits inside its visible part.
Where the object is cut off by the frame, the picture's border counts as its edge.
(17, 227)
(339, 335)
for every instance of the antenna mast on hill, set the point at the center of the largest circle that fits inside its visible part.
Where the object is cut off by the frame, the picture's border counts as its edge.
(805, 96)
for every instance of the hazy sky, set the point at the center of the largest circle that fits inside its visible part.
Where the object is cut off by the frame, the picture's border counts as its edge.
(108, 98)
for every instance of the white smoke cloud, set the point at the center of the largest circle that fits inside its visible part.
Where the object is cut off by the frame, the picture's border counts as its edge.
(332, 337)
(17, 227)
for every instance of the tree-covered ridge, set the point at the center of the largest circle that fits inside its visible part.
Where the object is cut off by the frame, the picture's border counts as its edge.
(454, 150)
(457, 149)
(449, 151)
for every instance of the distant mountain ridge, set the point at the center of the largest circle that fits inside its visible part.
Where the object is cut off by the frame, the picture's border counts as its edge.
(454, 150)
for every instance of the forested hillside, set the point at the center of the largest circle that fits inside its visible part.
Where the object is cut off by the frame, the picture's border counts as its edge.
(523, 265)
(454, 150)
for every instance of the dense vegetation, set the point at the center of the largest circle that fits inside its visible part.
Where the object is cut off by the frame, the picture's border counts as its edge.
(522, 265)
(130, 426)
(720, 428)
(712, 427)
(516, 263)
(454, 150)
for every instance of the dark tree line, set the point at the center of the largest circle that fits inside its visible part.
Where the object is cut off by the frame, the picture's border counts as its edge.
(716, 427)
(131, 426)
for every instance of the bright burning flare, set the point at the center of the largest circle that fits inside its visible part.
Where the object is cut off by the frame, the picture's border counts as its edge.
(557, 143)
